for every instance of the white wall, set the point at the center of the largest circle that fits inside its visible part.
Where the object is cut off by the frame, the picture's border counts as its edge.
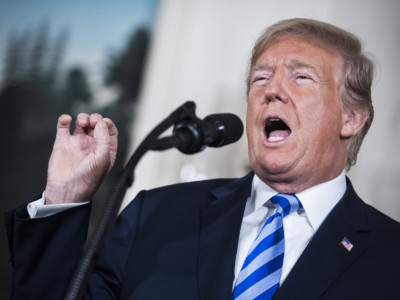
(200, 53)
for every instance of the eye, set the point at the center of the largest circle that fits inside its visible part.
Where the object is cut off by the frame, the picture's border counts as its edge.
(260, 79)
(303, 78)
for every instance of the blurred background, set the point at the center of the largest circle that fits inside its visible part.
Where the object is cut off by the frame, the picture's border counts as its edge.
(136, 61)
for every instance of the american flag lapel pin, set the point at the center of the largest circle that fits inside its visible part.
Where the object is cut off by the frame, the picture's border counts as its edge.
(347, 244)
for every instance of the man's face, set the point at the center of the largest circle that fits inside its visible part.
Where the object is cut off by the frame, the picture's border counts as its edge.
(294, 116)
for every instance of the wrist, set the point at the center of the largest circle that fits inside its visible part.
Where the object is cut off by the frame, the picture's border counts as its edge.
(59, 193)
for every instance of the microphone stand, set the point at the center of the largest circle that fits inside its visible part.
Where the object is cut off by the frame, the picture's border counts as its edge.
(87, 260)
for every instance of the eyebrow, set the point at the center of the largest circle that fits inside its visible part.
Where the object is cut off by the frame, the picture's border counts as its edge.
(260, 67)
(298, 64)
(292, 64)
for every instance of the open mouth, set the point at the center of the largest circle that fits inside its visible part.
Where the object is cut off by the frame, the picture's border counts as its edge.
(276, 130)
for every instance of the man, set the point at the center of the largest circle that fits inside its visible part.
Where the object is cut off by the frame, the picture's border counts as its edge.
(309, 108)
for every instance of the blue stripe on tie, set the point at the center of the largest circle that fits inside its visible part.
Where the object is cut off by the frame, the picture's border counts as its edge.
(294, 202)
(273, 239)
(275, 221)
(258, 288)
(260, 260)
(283, 202)
(259, 274)
(268, 293)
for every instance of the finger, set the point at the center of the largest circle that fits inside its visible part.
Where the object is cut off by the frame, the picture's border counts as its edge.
(63, 125)
(81, 123)
(113, 132)
(94, 119)
(112, 129)
(102, 138)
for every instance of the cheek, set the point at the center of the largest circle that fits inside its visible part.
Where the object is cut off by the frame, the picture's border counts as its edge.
(325, 127)
(321, 109)
(255, 98)
(250, 132)
(251, 117)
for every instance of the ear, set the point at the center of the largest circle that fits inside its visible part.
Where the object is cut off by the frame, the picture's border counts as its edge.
(353, 122)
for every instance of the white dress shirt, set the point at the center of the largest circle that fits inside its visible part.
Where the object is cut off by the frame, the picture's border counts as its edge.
(37, 208)
(299, 227)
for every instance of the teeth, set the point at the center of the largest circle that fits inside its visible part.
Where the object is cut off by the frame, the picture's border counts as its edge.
(275, 138)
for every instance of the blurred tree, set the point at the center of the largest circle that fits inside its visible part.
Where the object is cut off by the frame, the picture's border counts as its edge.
(15, 61)
(76, 95)
(32, 58)
(125, 69)
(125, 72)
(56, 54)
(38, 53)
(27, 119)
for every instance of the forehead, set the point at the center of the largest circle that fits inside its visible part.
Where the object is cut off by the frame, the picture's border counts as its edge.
(296, 52)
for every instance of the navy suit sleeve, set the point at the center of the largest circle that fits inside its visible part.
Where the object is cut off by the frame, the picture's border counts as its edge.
(45, 251)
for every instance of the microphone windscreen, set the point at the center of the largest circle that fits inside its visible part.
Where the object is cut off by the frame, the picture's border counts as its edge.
(230, 128)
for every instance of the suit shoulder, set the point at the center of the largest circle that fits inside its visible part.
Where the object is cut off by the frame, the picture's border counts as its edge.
(385, 234)
(379, 219)
(375, 218)
(188, 196)
(193, 185)
(204, 186)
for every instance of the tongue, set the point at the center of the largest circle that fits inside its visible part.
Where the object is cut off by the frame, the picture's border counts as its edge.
(279, 133)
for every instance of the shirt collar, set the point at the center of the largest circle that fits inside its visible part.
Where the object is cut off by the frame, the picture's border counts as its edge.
(317, 201)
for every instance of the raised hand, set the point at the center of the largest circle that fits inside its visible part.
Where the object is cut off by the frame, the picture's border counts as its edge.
(79, 162)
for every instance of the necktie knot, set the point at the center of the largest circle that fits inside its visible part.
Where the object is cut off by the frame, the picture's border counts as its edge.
(286, 204)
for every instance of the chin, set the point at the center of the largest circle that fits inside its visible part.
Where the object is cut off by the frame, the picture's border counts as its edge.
(271, 167)
(278, 179)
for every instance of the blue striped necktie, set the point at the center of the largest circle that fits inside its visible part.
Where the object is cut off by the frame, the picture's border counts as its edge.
(262, 269)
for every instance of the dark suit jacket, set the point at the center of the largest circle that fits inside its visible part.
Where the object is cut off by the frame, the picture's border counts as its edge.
(179, 242)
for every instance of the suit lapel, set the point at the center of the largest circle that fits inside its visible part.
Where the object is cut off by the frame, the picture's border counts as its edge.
(220, 222)
(325, 258)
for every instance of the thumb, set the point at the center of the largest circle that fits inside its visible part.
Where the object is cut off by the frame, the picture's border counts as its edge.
(102, 137)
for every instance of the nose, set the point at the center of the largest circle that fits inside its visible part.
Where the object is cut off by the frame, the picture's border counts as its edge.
(276, 90)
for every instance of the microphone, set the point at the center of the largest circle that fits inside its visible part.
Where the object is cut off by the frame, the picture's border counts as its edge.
(192, 135)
